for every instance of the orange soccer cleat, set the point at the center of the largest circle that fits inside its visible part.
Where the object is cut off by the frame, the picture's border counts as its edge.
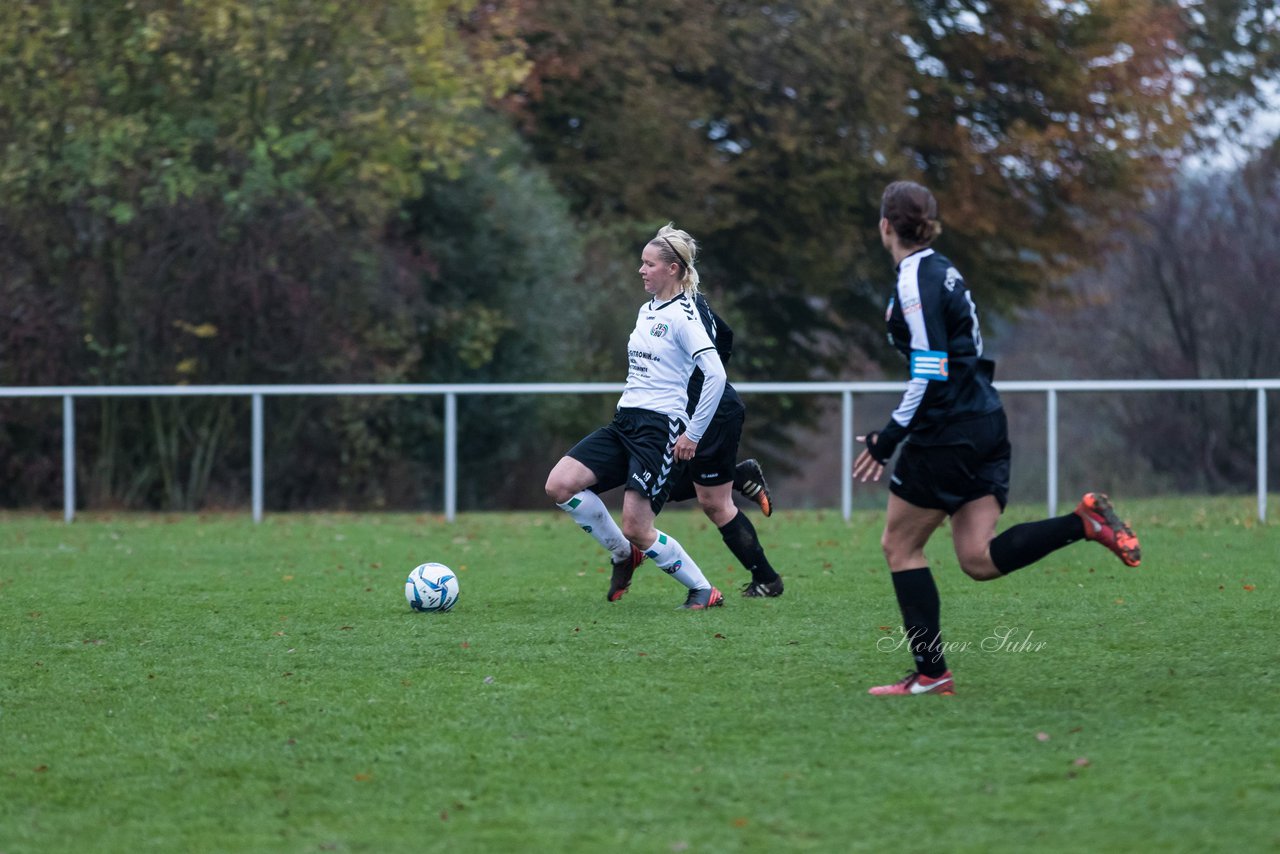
(917, 683)
(1102, 525)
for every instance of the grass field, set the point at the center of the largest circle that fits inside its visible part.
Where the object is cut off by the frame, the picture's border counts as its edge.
(172, 683)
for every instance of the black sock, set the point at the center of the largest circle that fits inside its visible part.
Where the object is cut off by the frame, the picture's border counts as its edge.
(921, 607)
(1023, 545)
(740, 536)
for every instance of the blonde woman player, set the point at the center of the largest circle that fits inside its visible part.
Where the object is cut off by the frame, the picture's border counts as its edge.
(713, 475)
(650, 431)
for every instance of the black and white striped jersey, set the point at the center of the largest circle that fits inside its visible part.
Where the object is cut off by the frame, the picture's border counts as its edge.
(933, 321)
(668, 342)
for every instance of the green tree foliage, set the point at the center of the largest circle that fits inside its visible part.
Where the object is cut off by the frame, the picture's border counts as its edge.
(125, 106)
(215, 155)
(200, 192)
(238, 191)
(495, 252)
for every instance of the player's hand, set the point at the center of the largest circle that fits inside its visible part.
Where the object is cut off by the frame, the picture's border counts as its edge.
(685, 448)
(865, 466)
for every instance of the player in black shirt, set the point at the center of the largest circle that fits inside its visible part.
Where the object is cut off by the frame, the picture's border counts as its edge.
(713, 473)
(955, 449)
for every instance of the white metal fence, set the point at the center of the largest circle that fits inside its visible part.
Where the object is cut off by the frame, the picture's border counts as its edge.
(846, 390)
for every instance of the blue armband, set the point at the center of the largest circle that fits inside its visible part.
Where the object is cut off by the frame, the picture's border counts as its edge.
(929, 365)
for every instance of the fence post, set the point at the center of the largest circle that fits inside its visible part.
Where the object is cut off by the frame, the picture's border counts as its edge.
(1051, 440)
(450, 456)
(1262, 455)
(68, 458)
(846, 454)
(256, 454)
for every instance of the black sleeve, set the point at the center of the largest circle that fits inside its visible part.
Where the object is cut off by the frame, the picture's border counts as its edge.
(723, 338)
(721, 333)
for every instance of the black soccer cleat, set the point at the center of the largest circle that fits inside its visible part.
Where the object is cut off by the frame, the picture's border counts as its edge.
(748, 478)
(620, 580)
(762, 589)
(700, 600)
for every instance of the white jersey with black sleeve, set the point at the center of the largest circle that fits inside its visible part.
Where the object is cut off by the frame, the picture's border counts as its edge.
(668, 342)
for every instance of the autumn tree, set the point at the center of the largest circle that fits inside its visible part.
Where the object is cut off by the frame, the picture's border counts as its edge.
(1234, 47)
(757, 128)
(1201, 276)
(1188, 294)
(200, 192)
(769, 130)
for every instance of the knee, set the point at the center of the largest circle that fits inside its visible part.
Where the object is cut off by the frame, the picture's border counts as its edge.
(718, 511)
(638, 533)
(979, 567)
(894, 553)
(557, 490)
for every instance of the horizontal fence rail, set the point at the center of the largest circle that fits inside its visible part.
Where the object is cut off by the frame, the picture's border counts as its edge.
(450, 392)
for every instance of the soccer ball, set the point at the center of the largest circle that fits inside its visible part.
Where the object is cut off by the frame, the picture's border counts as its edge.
(431, 587)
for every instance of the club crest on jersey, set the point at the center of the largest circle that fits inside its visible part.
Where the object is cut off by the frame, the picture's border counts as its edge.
(659, 330)
(953, 278)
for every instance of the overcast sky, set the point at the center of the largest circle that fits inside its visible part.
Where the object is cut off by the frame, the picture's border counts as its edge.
(1232, 153)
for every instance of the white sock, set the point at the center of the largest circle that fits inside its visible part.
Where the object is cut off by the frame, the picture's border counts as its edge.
(592, 516)
(672, 559)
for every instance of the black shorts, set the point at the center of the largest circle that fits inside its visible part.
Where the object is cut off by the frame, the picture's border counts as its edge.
(973, 463)
(636, 450)
(717, 455)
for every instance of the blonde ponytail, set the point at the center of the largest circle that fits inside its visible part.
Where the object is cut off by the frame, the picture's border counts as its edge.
(679, 247)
